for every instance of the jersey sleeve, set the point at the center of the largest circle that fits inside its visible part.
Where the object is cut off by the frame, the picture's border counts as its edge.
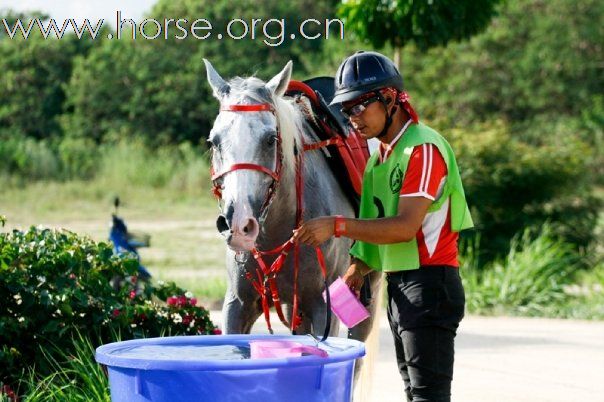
(426, 173)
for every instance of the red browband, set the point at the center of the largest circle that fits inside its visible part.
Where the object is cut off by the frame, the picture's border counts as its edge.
(262, 107)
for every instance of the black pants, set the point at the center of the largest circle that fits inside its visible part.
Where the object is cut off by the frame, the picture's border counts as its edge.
(425, 307)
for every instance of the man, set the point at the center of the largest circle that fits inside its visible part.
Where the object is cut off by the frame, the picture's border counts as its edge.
(412, 208)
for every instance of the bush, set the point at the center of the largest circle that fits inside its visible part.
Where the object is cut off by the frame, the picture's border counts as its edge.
(56, 284)
(531, 280)
(28, 158)
(79, 158)
(512, 185)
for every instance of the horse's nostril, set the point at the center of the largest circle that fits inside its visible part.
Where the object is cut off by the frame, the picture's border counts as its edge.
(222, 224)
(251, 228)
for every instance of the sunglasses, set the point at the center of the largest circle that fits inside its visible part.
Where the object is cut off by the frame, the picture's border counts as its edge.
(359, 108)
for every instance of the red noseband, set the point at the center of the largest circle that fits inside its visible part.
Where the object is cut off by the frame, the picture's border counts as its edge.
(275, 175)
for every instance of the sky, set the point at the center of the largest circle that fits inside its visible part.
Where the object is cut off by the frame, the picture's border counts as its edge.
(80, 9)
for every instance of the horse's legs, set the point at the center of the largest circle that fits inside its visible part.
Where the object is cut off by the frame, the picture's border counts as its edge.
(305, 326)
(239, 316)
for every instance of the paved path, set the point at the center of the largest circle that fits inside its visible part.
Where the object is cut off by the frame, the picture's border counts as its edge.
(506, 359)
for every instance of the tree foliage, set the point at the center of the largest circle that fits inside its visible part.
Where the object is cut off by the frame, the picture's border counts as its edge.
(34, 72)
(157, 89)
(424, 23)
(537, 58)
(511, 185)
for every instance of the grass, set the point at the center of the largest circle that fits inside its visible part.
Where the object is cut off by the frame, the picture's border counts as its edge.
(75, 378)
(538, 277)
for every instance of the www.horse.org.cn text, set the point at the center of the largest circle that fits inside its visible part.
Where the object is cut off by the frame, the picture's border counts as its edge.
(272, 32)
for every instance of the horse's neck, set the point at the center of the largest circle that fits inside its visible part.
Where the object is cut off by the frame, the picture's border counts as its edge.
(317, 182)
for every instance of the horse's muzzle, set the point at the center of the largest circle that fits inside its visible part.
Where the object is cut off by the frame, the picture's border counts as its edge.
(242, 236)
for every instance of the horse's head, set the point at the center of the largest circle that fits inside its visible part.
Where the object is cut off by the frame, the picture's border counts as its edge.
(247, 152)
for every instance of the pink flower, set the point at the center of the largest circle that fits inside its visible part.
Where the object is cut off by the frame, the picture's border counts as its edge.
(172, 300)
(116, 313)
(72, 276)
(193, 301)
(186, 320)
(133, 279)
(132, 294)
(6, 390)
(182, 301)
(216, 331)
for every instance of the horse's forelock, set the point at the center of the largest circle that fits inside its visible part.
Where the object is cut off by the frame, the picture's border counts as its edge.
(252, 90)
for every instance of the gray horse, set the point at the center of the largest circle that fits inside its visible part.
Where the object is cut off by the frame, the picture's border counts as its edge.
(247, 221)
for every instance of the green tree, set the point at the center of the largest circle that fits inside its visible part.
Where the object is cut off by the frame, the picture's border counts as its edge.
(537, 58)
(425, 23)
(10, 17)
(156, 89)
(34, 71)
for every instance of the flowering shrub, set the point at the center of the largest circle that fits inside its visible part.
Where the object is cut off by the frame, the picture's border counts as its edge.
(6, 393)
(54, 283)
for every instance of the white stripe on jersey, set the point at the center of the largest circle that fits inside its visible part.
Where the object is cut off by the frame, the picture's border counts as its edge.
(435, 221)
(421, 183)
(430, 151)
(432, 226)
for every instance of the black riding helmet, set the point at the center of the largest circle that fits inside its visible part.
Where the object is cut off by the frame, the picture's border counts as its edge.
(365, 72)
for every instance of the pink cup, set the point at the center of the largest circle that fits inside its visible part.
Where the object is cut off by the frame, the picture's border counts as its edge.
(260, 349)
(345, 305)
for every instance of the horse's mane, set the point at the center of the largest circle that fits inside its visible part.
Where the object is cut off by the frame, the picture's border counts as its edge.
(291, 121)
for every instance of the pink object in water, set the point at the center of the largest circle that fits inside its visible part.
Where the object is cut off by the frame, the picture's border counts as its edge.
(261, 349)
(345, 305)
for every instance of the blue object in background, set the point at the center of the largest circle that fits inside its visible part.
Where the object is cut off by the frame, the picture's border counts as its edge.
(124, 241)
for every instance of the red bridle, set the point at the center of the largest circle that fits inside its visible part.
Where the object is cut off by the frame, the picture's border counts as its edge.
(274, 174)
(265, 281)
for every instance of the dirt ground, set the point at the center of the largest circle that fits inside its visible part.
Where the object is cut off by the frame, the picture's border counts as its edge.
(505, 359)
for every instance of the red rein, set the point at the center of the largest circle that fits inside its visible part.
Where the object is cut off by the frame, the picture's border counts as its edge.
(265, 281)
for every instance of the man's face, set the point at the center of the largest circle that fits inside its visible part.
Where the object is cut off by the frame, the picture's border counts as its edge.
(367, 113)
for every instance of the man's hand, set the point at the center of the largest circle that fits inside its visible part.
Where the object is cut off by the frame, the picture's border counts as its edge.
(315, 231)
(355, 276)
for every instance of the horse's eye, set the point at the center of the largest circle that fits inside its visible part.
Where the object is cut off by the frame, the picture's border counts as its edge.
(271, 140)
(214, 144)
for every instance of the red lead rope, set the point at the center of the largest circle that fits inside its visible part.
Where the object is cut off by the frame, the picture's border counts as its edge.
(265, 281)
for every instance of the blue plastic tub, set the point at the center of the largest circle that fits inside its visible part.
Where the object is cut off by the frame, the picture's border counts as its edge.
(201, 368)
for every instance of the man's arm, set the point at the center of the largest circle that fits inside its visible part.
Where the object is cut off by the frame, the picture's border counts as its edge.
(397, 229)
(425, 174)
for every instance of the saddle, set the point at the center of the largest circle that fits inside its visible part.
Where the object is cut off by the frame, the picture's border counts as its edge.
(347, 152)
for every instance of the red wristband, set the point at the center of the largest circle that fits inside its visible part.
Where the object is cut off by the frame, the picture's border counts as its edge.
(339, 226)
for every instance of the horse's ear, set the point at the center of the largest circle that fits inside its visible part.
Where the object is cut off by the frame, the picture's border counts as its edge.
(219, 86)
(278, 84)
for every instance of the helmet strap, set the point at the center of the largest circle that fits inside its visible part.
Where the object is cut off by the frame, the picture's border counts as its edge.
(388, 115)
